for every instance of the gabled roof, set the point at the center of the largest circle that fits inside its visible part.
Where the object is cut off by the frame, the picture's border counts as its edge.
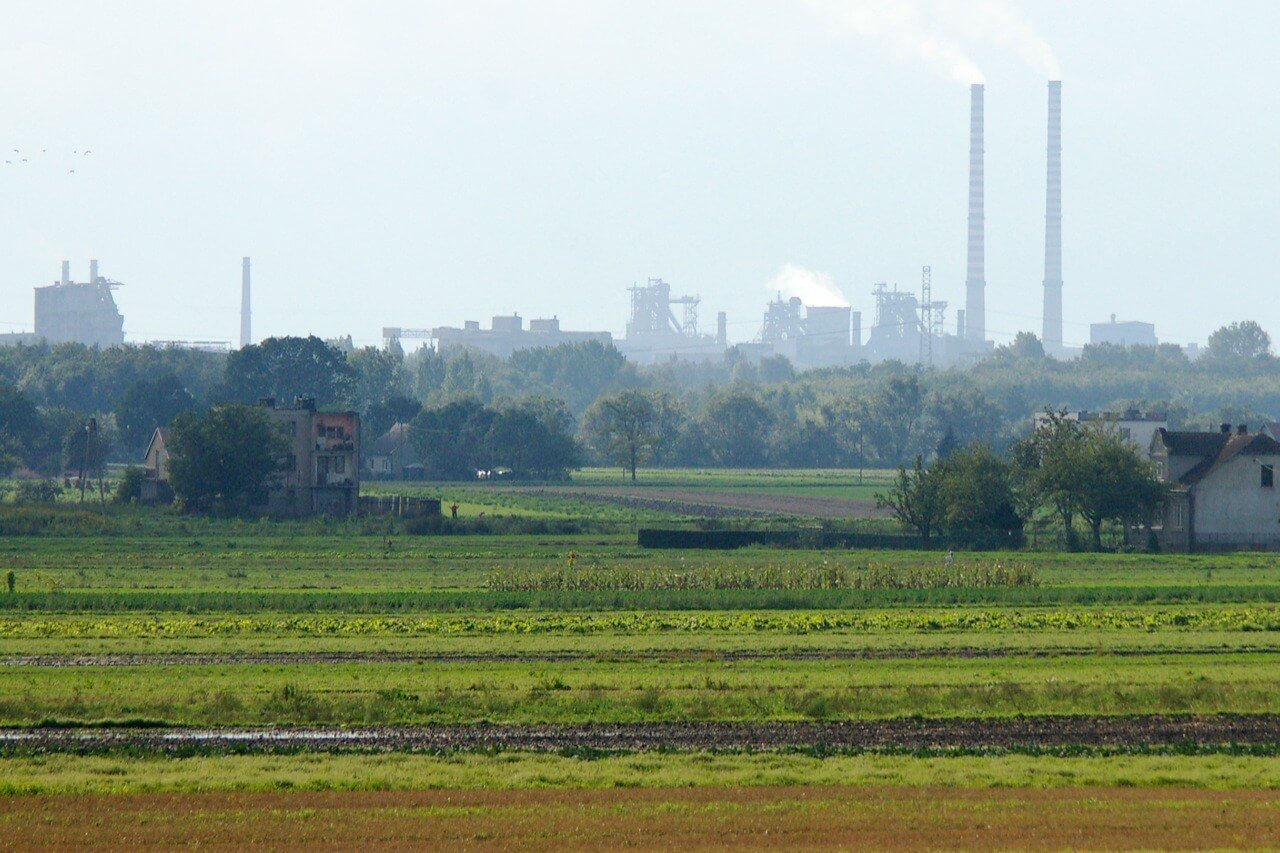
(161, 435)
(1214, 449)
(393, 440)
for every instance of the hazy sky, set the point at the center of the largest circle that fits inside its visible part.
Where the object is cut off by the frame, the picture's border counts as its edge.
(424, 163)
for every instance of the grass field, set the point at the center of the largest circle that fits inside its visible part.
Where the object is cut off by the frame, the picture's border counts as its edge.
(224, 624)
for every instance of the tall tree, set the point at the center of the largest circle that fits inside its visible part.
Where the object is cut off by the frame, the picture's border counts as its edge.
(628, 428)
(735, 425)
(285, 368)
(450, 440)
(1243, 340)
(148, 403)
(224, 458)
(916, 499)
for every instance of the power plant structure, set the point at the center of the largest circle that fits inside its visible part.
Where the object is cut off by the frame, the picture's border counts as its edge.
(655, 333)
(71, 312)
(505, 335)
(808, 337)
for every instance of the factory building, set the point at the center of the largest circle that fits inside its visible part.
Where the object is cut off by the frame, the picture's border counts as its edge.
(655, 333)
(75, 312)
(1130, 333)
(506, 335)
(816, 336)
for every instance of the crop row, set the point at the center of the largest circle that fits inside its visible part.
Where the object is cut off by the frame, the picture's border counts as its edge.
(770, 577)
(1237, 618)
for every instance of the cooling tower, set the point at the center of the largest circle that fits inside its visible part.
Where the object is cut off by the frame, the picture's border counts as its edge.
(1052, 336)
(975, 284)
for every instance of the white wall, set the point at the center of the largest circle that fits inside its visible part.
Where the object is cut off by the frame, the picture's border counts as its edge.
(1230, 502)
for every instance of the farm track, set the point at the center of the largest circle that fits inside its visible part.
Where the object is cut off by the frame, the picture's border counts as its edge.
(718, 503)
(710, 656)
(1015, 733)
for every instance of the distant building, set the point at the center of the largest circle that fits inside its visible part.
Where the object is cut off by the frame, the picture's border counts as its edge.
(1223, 493)
(321, 471)
(79, 312)
(507, 334)
(1129, 333)
(1137, 427)
(656, 334)
(392, 457)
(155, 469)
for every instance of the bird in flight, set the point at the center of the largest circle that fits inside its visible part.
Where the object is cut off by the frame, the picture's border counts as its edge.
(87, 153)
(71, 171)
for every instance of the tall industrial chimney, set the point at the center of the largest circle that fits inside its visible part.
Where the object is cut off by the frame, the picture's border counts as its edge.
(246, 327)
(1052, 336)
(66, 272)
(93, 272)
(975, 284)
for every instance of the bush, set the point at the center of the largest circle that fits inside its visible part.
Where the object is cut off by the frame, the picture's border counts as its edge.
(130, 487)
(37, 492)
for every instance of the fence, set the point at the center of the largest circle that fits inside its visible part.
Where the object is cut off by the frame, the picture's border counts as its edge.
(399, 506)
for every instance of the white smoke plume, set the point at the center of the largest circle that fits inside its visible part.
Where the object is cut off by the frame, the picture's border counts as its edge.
(813, 288)
(900, 25)
(935, 31)
(997, 22)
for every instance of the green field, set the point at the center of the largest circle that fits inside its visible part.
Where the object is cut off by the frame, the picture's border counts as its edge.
(183, 622)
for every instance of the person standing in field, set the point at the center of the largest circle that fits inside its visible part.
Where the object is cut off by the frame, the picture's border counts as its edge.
(453, 509)
(950, 558)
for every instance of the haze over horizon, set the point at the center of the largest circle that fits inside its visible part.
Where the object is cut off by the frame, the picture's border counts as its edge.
(421, 164)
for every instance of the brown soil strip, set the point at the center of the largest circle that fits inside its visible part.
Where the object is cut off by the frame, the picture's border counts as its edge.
(698, 818)
(708, 655)
(719, 503)
(1036, 732)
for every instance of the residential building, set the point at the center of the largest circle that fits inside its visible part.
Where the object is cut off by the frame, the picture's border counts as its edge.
(1223, 493)
(392, 457)
(155, 469)
(320, 474)
(1138, 427)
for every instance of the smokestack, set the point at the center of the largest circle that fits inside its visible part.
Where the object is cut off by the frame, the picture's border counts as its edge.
(93, 272)
(66, 272)
(975, 284)
(246, 328)
(1052, 336)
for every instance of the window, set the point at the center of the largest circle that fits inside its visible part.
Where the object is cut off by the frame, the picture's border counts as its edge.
(1177, 516)
(339, 464)
(1268, 476)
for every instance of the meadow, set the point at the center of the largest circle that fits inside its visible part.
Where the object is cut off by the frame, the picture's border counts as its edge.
(176, 624)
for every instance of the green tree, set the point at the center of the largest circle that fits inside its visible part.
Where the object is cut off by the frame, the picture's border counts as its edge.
(384, 414)
(893, 416)
(449, 440)
(377, 375)
(285, 368)
(1243, 340)
(531, 446)
(149, 403)
(629, 428)
(224, 458)
(735, 426)
(977, 490)
(1113, 483)
(20, 423)
(916, 499)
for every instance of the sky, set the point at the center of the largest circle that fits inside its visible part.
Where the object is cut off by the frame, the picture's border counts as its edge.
(419, 164)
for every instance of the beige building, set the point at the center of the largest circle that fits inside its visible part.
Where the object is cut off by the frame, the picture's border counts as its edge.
(1138, 427)
(321, 470)
(1223, 494)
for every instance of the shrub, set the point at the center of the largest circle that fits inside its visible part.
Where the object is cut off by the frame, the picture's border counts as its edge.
(37, 492)
(130, 487)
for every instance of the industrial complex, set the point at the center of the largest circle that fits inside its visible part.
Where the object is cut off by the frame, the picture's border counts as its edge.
(908, 325)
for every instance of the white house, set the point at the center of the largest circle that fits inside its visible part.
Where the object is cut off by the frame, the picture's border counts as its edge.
(1138, 427)
(1223, 493)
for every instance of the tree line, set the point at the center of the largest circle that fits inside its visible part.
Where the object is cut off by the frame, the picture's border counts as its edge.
(1064, 470)
(733, 412)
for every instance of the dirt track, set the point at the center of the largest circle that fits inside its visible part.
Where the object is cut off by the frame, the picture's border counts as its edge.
(720, 504)
(905, 734)
(772, 818)
(295, 658)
